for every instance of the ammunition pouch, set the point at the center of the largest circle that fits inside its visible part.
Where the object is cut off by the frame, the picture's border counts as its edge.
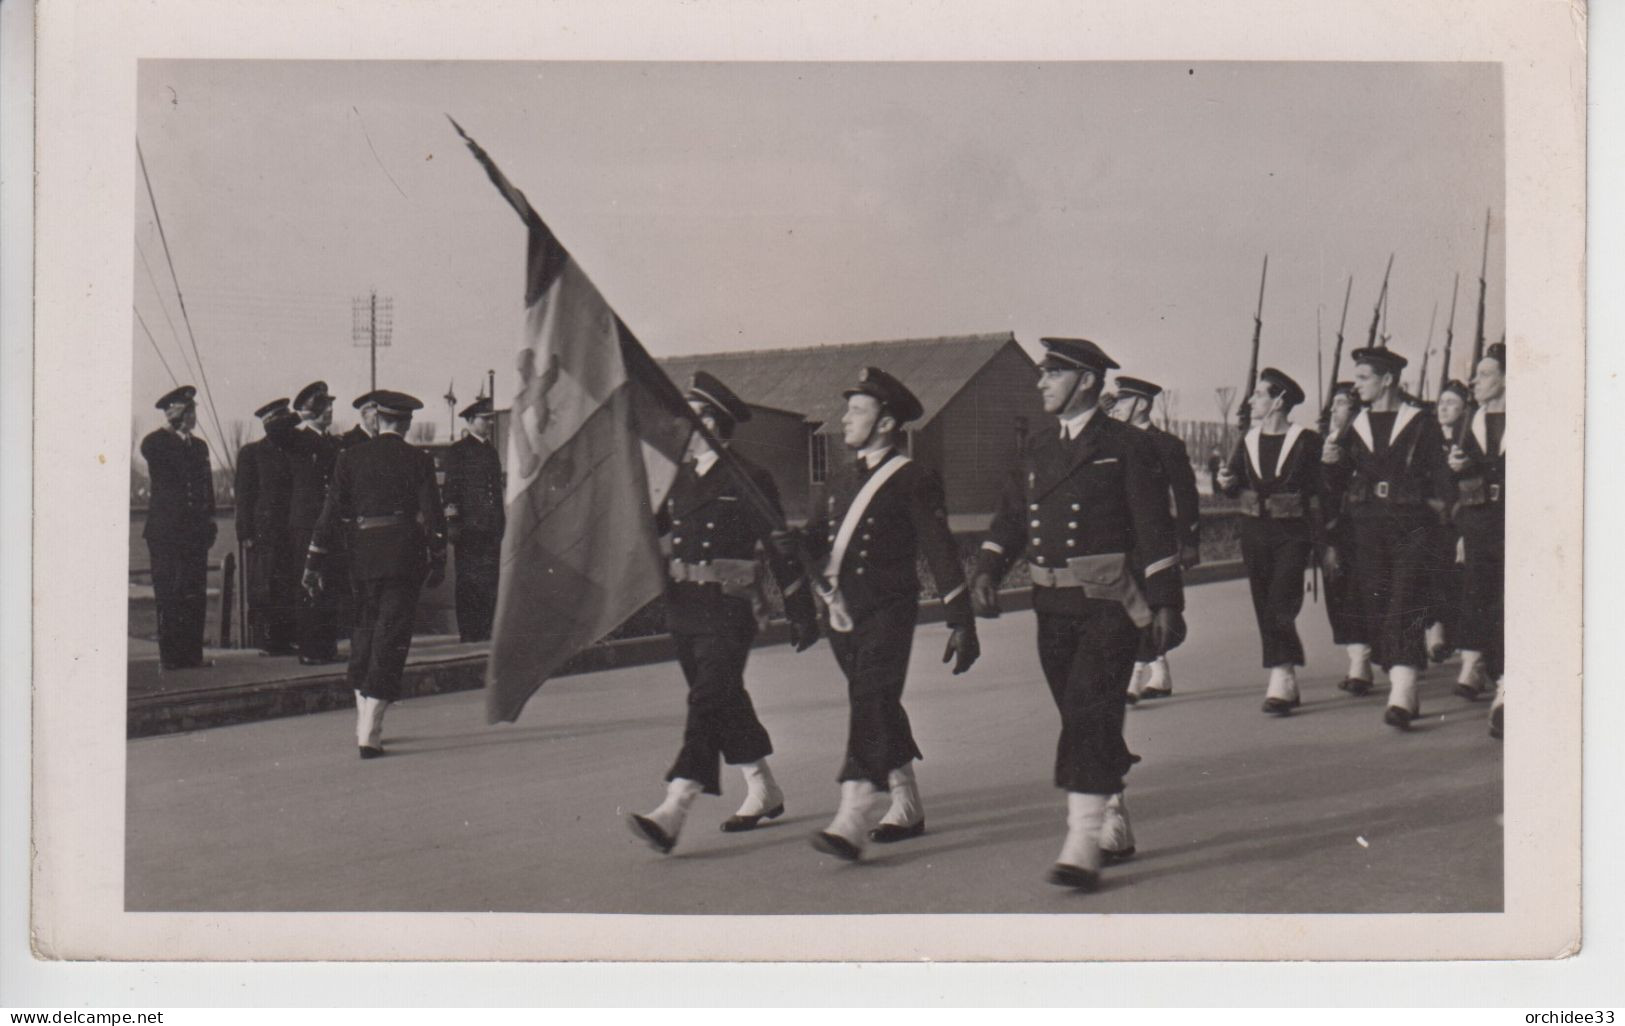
(1475, 491)
(1280, 506)
(1103, 576)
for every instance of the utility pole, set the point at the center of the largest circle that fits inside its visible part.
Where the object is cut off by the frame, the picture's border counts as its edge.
(371, 325)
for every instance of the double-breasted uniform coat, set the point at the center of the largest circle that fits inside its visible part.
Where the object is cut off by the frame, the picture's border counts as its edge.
(475, 519)
(180, 528)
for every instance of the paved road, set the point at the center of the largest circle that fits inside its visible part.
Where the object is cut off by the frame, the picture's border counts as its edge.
(1327, 811)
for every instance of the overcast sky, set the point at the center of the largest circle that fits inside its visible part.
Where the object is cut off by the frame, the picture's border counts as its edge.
(724, 206)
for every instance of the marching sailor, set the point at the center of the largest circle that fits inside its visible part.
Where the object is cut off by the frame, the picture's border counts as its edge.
(1444, 627)
(714, 601)
(891, 512)
(1134, 400)
(1387, 465)
(1479, 463)
(1350, 630)
(1276, 468)
(1088, 510)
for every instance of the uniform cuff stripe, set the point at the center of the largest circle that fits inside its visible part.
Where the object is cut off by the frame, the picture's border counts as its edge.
(953, 594)
(993, 546)
(318, 551)
(1161, 565)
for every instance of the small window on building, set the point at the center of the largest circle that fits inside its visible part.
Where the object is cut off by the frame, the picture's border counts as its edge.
(818, 458)
(1021, 435)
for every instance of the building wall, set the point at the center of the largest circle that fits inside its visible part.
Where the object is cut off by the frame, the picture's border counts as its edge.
(976, 431)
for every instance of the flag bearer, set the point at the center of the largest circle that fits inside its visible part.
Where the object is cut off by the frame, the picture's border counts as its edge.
(1276, 468)
(713, 605)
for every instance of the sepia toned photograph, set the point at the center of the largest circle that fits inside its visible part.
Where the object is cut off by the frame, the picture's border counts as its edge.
(817, 488)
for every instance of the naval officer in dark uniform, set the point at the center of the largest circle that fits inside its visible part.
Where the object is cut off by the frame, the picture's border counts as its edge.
(1478, 462)
(713, 604)
(1087, 509)
(311, 455)
(475, 518)
(1387, 466)
(263, 488)
(386, 488)
(876, 524)
(1132, 405)
(366, 406)
(180, 528)
(1276, 469)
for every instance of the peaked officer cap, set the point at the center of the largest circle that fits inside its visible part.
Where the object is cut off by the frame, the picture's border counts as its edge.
(313, 397)
(891, 393)
(1075, 354)
(1497, 351)
(396, 403)
(271, 408)
(1460, 389)
(1386, 361)
(185, 394)
(1136, 387)
(481, 407)
(1290, 389)
(365, 400)
(705, 388)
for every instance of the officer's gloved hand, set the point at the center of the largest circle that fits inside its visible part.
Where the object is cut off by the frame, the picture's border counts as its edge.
(803, 633)
(963, 648)
(984, 595)
(1190, 556)
(1167, 628)
(437, 574)
(312, 582)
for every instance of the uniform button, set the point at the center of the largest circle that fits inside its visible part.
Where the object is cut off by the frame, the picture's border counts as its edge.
(1072, 524)
(865, 537)
(1033, 507)
(677, 541)
(860, 571)
(705, 545)
(676, 522)
(1070, 543)
(710, 526)
(1035, 523)
(1076, 507)
(864, 554)
(1037, 542)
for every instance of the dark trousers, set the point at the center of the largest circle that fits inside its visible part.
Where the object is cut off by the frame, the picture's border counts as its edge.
(273, 589)
(478, 564)
(722, 723)
(180, 582)
(1088, 660)
(1146, 651)
(1444, 582)
(874, 657)
(1391, 582)
(1276, 553)
(382, 635)
(1342, 599)
(316, 617)
(1483, 531)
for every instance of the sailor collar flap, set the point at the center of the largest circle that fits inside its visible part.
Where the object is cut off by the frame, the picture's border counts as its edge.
(1402, 420)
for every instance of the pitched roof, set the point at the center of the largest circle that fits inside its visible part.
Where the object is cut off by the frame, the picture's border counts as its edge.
(809, 379)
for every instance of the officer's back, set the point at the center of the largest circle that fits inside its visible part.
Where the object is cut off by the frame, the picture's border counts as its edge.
(387, 486)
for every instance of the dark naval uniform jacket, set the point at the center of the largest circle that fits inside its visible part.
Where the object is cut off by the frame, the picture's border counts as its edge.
(1181, 477)
(1093, 511)
(1398, 478)
(311, 456)
(1286, 493)
(264, 488)
(906, 518)
(386, 487)
(713, 573)
(181, 509)
(474, 487)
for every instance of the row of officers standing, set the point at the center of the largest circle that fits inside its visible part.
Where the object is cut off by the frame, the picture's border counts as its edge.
(1399, 505)
(294, 496)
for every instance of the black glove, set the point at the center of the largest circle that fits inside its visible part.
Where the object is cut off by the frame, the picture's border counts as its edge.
(963, 649)
(437, 574)
(984, 595)
(1167, 628)
(804, 633)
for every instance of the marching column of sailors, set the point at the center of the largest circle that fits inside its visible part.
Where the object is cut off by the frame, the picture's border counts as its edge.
(1402, 507)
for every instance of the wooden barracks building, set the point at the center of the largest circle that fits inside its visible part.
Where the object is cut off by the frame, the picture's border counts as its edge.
(978, 392)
